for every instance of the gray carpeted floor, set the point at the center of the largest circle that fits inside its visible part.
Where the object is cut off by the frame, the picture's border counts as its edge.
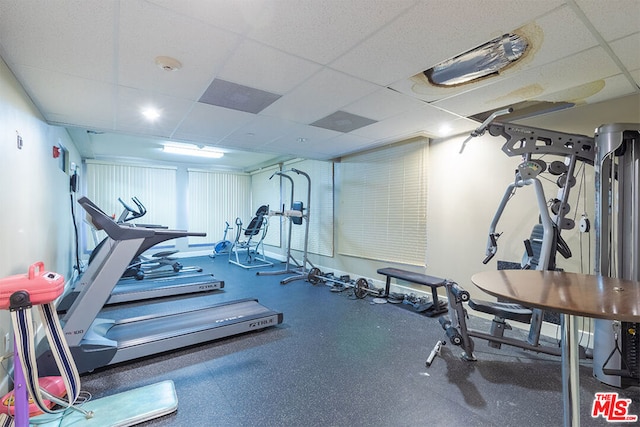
(341, 361)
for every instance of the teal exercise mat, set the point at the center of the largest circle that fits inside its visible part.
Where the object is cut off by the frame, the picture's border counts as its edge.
(119, 410)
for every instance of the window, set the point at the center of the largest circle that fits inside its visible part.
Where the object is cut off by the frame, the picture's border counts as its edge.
(321, 209)
(383, 204)
(215, 198)
(155, 187)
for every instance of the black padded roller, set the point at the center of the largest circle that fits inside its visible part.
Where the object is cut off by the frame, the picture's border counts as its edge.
(460, 293)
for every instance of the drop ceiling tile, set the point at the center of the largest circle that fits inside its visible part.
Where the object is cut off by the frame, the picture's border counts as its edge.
(423, 119)
(382, 104)
(341, 145)
(628, 50)
(262, 67)
(210, 123)
(246, 142)
(304, 140)
(245, 160)
(609, 88)
(410, 45)
(261, 130)
(131, 102)
(321, 31)
(323, 94)
(34, 32)
(555, 36)
(200, 48)
(236, 16)
(613, 20)
(85, 102)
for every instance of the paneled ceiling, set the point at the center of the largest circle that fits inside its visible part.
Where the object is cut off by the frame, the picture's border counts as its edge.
(319, 78)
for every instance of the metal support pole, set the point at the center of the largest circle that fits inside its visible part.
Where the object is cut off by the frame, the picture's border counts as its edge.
(570, 371)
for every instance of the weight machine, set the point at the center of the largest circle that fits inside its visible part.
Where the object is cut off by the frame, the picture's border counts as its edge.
(545, 242)
(296, 215)
(616, 355)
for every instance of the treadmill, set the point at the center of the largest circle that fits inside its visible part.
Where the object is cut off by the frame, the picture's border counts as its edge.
(97, 339)
(128, 289)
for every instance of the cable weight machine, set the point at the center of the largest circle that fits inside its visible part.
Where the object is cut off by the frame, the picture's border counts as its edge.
(298, 214)
(545, 242)
(616, 354)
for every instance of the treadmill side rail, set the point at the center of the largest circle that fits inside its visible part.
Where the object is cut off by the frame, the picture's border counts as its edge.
(113, 341)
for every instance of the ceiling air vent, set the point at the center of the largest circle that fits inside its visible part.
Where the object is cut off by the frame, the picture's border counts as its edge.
(226, 94)
(485, 60)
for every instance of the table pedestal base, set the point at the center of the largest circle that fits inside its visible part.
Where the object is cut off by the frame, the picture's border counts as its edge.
(570, 370)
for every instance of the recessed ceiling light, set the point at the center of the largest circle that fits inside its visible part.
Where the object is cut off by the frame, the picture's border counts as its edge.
(302, 139)
(482, 61)
(192, 150)
(151, 113)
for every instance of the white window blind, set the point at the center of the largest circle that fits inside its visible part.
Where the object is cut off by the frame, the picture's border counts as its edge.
(383, 204)
(215, 198)
(265, 191)
(321, 209)
(155, 187)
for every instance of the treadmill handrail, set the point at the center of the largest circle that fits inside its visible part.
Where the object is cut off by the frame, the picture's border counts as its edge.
(117, 231)
(102, 221)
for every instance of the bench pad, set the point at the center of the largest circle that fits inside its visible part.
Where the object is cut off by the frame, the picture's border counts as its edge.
(410, 276)
(505, 310)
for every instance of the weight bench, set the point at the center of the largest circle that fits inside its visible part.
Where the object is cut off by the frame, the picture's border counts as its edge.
(437, 307)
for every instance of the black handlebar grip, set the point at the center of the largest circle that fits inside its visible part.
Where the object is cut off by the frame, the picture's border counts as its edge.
(488, 258)
(528, 248)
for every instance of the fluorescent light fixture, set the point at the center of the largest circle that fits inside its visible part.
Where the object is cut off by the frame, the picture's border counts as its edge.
(151, 113)
(193, 150)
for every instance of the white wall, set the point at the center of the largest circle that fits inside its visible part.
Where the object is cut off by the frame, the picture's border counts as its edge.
(35, 216)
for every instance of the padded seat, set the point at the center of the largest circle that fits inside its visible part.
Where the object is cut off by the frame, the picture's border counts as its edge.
(255, 250)
(506, 310)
